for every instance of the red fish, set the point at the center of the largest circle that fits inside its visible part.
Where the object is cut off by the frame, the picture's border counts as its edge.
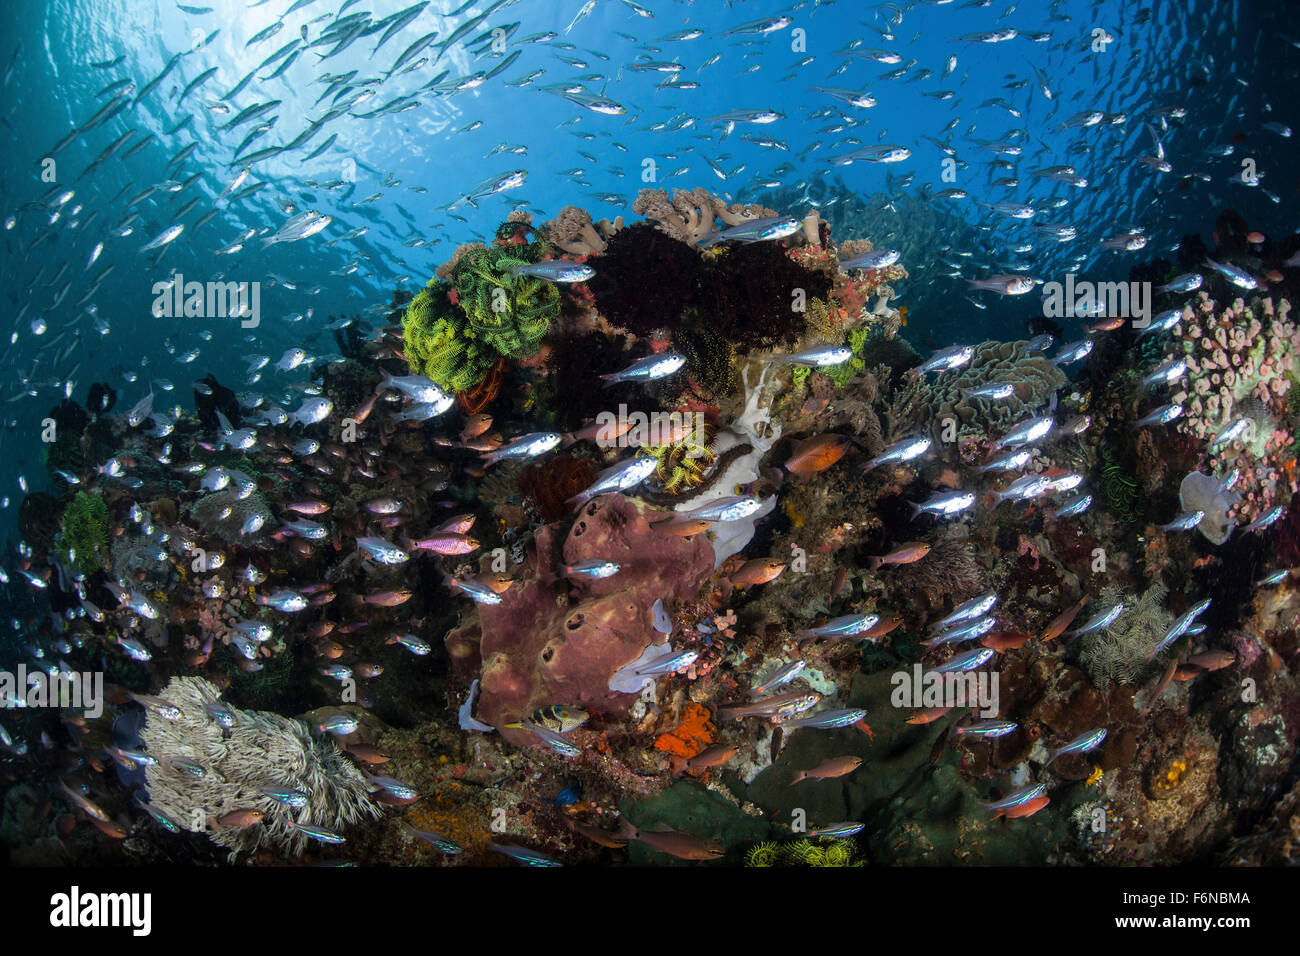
(1063, 620)
(818, 453)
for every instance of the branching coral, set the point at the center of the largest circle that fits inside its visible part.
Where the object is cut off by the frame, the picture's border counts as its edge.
(262, 750)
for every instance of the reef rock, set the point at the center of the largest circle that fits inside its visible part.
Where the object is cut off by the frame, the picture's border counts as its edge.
(558, 640)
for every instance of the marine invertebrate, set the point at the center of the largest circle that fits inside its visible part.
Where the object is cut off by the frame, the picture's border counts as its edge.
(689, 216)
(531, 651)
(1200, 492)
(949, 568)
(261, 750)
(682, 464)
(438, 344)
(1119, 488)
(646, 281)
(692, 735)
(710, 361)
(547, 485)
(762, 854)
(1120, 653)
(947, 398)
(1240, 363)
(83, 533)
(753, 291)
(455, 330)
(574, 232)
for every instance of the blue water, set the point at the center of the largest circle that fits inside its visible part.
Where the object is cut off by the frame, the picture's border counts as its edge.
(1231, 67)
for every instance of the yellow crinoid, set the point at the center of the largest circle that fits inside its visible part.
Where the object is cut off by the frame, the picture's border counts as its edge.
(683, 464)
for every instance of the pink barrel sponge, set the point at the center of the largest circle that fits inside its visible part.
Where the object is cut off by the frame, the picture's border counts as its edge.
(558, 640)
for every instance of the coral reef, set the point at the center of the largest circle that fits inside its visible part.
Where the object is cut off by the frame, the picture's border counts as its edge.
(1240, 363)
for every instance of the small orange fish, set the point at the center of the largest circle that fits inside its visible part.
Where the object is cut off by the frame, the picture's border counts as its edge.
(362, 413)
(1255, 237)
(818, 453)
(1004, 640)
(928, 715)
(1212, 660)
(476, 425)
(499, 583)
(1165, 679)
(714, 756)
(331, 649)
(829, 769)
(368, 754)
(237, 818)
(682, 527)
(114, 831)
(881, 627)
(837, 583)
(387, 598)
(684, 846)
(904, 554)
(1063, 620)
(597, 835)
(758, 571)
(1108, 324)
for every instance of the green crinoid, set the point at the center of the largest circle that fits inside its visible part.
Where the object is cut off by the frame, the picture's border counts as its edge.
(762, 854)
(509, 313)
(1119, 488)
(682, 464)
(454, 331)
(821, 853)
(84, 532)
(437, 341)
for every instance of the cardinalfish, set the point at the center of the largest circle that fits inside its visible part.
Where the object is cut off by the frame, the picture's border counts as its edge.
(706, 759)
(758, 571)
(906, 554)
(817, 454)
(780, 707)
